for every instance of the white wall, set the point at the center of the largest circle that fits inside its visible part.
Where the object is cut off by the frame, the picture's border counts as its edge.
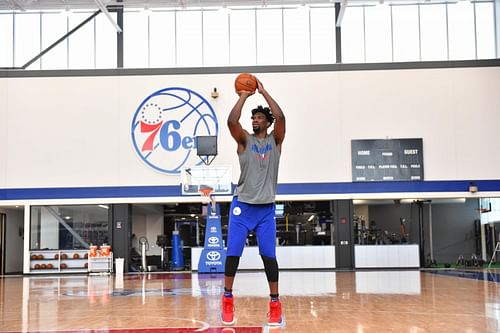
(76, 131)
(14, 240)
(3, 130)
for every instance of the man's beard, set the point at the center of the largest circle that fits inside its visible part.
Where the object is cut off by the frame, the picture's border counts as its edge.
(256, 129)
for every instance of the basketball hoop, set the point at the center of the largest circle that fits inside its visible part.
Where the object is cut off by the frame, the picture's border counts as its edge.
(207, 193)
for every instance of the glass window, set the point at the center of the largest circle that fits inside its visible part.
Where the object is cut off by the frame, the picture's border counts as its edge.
(215, 38)
(485, 30)
(242, 37)
(433, 38)
(26, 39)
(461, 30)
(296, 33)
(323, 35)
(135, 40)
(378, 41)
(189, 50)
(54, 26)
(353, 35)
(405, 33)
(162, 39)
(105, 42)
(81, 42)
(269, 37)
(68, 227)
(6, 40)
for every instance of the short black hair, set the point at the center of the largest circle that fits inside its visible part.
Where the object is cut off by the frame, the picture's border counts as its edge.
(265, 111)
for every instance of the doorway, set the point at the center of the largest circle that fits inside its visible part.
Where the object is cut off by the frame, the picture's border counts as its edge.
(3, 225)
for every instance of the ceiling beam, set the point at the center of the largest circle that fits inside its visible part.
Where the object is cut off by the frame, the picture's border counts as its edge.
(17, 5)
(343, 6)
(105, 11)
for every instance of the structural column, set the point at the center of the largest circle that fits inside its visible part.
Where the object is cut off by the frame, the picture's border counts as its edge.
(343, 211)
(121, 232)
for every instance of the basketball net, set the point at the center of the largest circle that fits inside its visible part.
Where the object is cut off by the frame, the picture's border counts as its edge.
(207, 193)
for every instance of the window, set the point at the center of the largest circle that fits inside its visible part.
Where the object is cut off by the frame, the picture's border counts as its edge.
(6, 40)
(405, 38)
(461, 31)
(433, 39)
(243, 36)
(105, 42)
(485, 30)
(68, 227)
(189, 50)
(296, 42)
(81, 42)
(215, 38)
(26, 39)
(378, 34)
(54, 26)
(162, 39)
(322, 35)
(269, 37)
(353, 35)
(242, 39)
(135, 40)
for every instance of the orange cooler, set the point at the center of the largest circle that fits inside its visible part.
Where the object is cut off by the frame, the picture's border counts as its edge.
(105, 250)
(93, 251)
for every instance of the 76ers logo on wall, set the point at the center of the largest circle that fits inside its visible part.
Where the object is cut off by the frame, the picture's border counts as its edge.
(165, 127)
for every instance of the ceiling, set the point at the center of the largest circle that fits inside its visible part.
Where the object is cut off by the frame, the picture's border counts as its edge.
(36, 5)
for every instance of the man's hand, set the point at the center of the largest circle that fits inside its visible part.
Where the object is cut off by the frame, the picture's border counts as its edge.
(260, 87)
(244, 93)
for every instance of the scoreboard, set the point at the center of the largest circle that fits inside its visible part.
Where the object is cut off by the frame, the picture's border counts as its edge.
(387, 160)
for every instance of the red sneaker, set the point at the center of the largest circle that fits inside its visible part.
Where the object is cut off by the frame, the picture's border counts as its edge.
(228, 310)
(274, 313)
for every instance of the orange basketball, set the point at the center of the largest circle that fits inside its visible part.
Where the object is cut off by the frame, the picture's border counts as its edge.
(245, 82)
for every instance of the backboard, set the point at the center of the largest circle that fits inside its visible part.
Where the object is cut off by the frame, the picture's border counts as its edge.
(195, 178)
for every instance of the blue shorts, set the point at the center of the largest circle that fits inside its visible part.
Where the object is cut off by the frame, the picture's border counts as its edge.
(244, 218)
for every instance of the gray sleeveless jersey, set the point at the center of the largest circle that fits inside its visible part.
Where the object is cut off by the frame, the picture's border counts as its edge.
(258, 171)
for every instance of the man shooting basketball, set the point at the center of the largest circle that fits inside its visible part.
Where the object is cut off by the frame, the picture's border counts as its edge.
(253, 208)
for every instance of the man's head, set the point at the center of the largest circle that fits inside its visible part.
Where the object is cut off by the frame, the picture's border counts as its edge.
(262, 118)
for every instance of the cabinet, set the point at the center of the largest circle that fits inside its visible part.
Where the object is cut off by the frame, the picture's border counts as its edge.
(101, 264)
(58, 261)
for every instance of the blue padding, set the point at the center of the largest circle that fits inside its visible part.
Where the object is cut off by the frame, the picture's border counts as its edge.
(388, 187)
(90, 192)
(293, 189)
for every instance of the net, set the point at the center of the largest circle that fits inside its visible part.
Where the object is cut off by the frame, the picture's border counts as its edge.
(206, 192)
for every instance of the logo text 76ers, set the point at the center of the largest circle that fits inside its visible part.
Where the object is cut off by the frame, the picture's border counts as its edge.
(165, 127)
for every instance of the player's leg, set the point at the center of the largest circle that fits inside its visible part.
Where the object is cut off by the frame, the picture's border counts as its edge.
(266, 238)
(236, 237)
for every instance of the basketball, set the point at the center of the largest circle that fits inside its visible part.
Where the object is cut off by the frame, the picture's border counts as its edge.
(245, 82)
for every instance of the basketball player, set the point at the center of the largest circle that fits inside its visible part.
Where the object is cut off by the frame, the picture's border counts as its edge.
(253, 208)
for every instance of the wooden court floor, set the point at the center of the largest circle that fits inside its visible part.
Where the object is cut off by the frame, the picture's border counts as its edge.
(313, 301)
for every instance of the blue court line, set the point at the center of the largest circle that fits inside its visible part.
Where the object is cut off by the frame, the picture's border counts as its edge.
(479, 275)
(283, 189)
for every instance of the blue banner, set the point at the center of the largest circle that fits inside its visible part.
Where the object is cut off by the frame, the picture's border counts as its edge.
(213, 256)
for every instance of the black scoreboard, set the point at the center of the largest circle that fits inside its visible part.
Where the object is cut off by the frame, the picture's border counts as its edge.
(387, 160)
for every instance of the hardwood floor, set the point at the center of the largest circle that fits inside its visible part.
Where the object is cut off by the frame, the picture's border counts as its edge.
(313, 301)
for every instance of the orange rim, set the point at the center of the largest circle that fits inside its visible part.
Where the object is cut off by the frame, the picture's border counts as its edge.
(206, 191)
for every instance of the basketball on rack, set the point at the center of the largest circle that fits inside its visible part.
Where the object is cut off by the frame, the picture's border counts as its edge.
(245, 82)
